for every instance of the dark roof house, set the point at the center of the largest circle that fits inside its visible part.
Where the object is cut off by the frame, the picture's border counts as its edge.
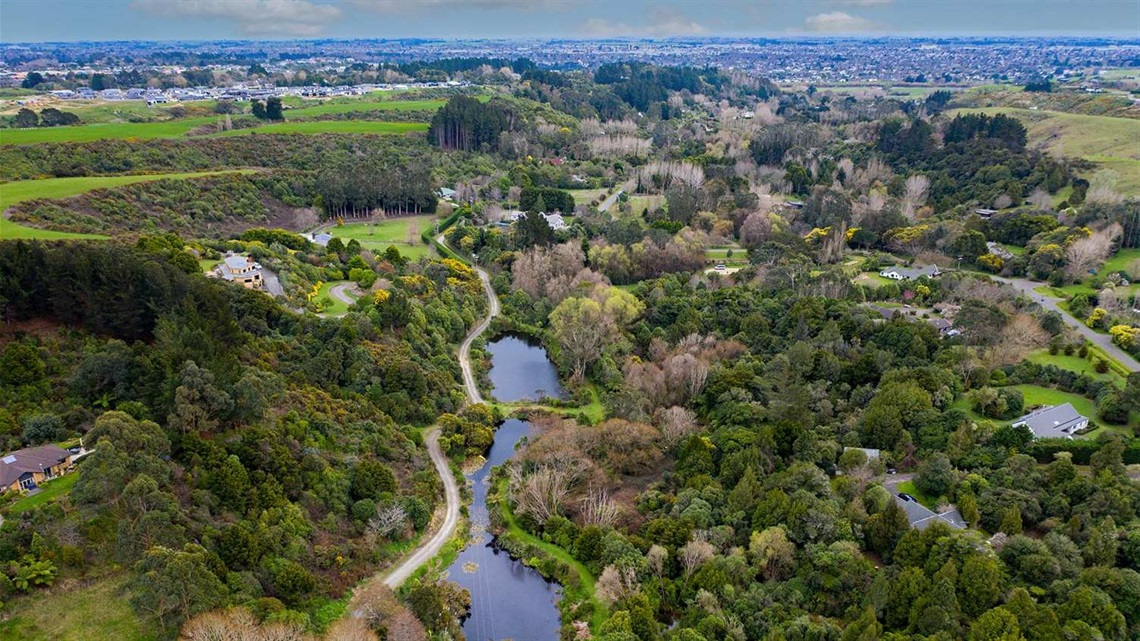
(921, 517)
(1053, 421)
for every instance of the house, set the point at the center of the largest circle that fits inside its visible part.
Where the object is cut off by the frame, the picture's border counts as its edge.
(911, 273)
(886, 312)
(944, 327)
(1053, 421)
(985, 214)
(239, 269)
(555, 221)
(921, 517)
(321, 239)
(23, 470)
(794, 204)
(445, 193)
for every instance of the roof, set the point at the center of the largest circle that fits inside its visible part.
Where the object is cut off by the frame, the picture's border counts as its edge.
(914, 272)
(940, 323)
(921, 517)
(32, 459)
(322, 239)
(237, 262)
(1053, 421)
(886, 312)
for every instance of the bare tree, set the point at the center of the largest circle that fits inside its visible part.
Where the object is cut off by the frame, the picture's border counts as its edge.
(542, 493)
(755, 229)
(616, 584)
(656, 558)
(404, 626)
(389, 518)
(1040, 199)
(694, 554)
(1086, 253)
(917, 188)
(599, 509)
(675, 424)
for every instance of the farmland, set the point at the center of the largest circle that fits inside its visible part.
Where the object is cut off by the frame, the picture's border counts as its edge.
(332, 127)
(403, 233)
(16, 192)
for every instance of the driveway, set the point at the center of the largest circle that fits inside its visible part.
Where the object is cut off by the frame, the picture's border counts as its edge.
(609, 202)
(272, 283)
(1104, 341)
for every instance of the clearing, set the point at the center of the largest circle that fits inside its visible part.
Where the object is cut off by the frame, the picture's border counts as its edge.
(403, 233)
(99, 611)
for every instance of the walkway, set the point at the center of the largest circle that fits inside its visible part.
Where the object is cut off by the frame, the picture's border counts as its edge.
(430, 548)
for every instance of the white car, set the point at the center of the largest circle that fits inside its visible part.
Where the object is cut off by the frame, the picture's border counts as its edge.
(721, 268)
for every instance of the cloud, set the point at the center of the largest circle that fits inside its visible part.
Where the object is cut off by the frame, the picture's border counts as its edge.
(410, 6)
(662, 23)
(253, 17)
(839, 22)
(864, 3)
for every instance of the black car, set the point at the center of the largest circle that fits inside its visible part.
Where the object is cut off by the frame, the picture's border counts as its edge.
(906, 497)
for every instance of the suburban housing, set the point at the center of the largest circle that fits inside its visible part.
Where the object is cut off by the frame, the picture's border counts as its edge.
(911, 273)
(1053, 421)
(239, 269)
(24, 469)
(921, 517)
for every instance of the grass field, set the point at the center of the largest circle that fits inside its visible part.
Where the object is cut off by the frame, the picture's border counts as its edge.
(349, 105)
(1112, 143)
(404, 233)
(638, 204)
(720, 255)
(586, 196)
(84, 133)
(52, 490)
(871, 279)
(331, 127)
(179, 128)
(98, 612)
(16, 192)
(1074, 363)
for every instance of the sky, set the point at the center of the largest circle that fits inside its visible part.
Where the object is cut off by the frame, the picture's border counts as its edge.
(70, 20)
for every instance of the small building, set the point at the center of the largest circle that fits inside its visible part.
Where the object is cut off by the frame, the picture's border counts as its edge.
(24, 469)
(911, 273)
(921, 517)
(240, 269)
(985, 214)
(321, 239)
(1053, 421)
(445, 193)
(944, 327)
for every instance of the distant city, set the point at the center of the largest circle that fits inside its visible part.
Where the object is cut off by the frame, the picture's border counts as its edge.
(964, 61)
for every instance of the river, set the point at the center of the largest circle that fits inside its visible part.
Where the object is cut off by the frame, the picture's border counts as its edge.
(508, 599)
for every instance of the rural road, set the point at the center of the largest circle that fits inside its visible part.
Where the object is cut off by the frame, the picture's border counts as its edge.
(1103, 341)
(609, 202)
(432, 546)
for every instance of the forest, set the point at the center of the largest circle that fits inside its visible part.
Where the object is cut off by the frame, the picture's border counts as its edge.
(796, 332)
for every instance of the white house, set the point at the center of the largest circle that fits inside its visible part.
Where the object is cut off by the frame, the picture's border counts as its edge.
(911, 273)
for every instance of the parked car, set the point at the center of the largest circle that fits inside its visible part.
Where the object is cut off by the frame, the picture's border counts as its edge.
(906, 497)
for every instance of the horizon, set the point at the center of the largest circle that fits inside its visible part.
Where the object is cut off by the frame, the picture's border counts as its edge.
(63, 21)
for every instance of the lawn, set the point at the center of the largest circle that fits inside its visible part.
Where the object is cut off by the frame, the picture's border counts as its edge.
(1074, 363)
(640, 203)
(1036, 395)
(871, 279)
(331, 127)
(908, 487)
(98, 612)
(404, 233)
(19, 191)
(586, 196)
(52, 490)
(334, 306)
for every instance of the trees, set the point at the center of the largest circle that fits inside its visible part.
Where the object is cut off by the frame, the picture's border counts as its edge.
(174, 585)
(32, 80)
(258, 110)
(273, 109)
(26, 118)
(582, 329)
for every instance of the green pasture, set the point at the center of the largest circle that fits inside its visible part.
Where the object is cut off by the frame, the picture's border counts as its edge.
(403, 233)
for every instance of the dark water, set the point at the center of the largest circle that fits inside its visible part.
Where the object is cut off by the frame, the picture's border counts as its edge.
(520, 370)
(508, 599)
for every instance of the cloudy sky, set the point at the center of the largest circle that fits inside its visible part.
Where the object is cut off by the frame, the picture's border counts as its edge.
(40, 20)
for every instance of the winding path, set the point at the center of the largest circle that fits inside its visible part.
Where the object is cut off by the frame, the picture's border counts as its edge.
(1103, 341)
(397, 575)
(338, 292)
